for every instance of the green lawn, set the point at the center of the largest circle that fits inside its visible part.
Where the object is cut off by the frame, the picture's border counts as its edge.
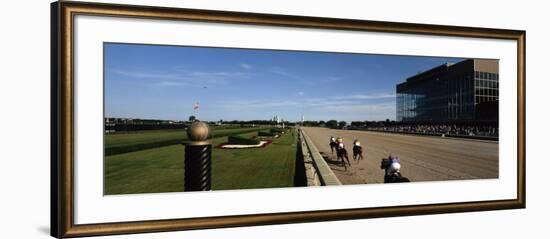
(162, 169)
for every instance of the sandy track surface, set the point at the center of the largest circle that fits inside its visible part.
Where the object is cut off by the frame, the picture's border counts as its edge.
(423, 158)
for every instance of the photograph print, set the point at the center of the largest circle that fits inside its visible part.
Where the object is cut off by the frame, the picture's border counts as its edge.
(191, 118)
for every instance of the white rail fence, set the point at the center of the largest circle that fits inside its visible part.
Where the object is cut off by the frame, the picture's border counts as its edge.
(318, 172)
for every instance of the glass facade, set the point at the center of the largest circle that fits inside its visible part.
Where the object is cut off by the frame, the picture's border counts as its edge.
(486, 87)
(445, 93)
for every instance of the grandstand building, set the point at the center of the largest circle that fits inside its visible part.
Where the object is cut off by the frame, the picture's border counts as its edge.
(466, 91)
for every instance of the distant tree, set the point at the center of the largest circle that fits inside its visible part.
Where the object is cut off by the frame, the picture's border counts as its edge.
(192, 118)
(322, 123)
(356, 124)
(332, 124)
(311, 123)
(342, 124)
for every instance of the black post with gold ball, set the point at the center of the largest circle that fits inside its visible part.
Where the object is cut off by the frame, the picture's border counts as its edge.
(198, 157)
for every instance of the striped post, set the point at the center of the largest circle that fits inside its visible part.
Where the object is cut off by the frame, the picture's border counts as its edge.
(198, 157)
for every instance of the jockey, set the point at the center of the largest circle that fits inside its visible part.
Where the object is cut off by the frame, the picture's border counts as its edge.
(341, 152)
(393, 174)
(332, 144)
(357, 150)
(395, 165)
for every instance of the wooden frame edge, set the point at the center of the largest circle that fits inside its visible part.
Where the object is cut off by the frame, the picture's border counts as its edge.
(54, 124)
(62, 204)
(284, 218)
(521, 121)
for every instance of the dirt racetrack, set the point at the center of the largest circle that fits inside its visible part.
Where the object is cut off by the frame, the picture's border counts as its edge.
(423, 158)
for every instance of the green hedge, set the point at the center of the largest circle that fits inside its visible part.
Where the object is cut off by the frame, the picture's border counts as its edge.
(266, 134)
(277, 130)
(137, 147)
(235, 139)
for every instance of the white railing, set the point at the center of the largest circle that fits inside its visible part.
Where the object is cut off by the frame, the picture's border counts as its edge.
(318, 172)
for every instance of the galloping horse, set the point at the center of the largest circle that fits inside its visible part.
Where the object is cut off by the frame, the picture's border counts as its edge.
(332, 144)
(341, 152)
(357, 150)
(392, 167)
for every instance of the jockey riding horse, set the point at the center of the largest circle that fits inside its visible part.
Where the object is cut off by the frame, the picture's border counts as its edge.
(332, 144)
(341, 152)
(357, 150)
(392, 167)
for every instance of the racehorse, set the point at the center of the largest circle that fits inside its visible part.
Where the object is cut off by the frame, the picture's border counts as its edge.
(392, 167)
(332, 144)
(342, 153)
(357, 150)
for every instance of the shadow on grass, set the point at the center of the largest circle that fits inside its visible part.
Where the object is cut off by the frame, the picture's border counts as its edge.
(300, 179)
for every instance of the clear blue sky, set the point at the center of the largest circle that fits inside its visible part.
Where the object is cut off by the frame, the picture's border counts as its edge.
(164, 82)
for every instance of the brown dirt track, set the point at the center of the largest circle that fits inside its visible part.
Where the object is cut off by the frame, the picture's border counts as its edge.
(423, 158)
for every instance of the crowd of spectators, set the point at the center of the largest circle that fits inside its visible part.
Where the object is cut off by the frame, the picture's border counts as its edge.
(440, 129)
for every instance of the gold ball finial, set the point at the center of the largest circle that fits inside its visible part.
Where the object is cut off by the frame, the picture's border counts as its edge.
(197, 131)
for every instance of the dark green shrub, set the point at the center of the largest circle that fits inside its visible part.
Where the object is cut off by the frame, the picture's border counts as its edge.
(235, 139)
(265, 134)
(276, 130)
(162, 143)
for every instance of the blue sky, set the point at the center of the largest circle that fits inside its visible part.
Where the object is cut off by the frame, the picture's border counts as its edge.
(164, 82)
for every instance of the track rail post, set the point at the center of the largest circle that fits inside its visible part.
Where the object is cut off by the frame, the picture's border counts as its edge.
(198, 157)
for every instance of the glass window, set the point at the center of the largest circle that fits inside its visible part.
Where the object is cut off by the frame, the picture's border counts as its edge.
(477, 74)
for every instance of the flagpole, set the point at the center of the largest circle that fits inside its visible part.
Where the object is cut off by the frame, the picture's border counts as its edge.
(195, 110)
